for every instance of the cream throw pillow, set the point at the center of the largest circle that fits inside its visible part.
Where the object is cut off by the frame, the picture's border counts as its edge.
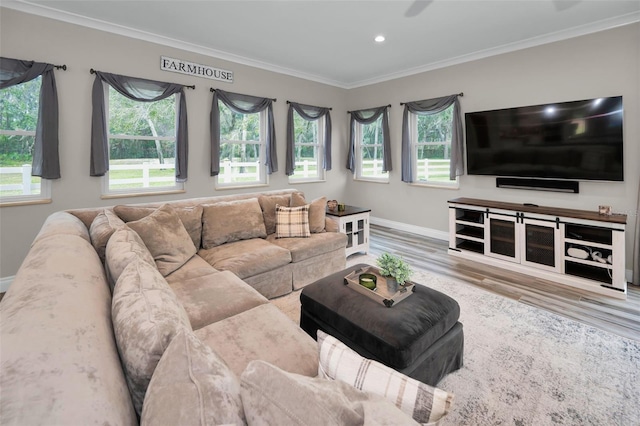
(268, 205)
(166, 238)
(192, 385)
(146, 315)
(424, 403)
(229, 221)
(101, 229)
(317, 211)
(292, 222)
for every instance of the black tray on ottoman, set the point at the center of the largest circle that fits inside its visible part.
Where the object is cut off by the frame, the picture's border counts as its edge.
(420, 337)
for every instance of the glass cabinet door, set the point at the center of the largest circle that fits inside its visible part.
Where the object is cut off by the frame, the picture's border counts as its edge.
(503, 237)
(540, 241)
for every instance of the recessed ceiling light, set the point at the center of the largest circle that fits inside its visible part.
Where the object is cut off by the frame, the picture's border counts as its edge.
(379, 39)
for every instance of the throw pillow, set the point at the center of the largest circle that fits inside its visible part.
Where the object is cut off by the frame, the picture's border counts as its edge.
(292, 222)
(192, 385)
(424, 403)
(268, 205)
(146, 315)
(191, 217)
(317, 211)
(166, 238)
(123, 247)
(229, 221)
(271, 396)
(102, 227)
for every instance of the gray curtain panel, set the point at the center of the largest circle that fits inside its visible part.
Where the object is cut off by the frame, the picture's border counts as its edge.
(309, 113)
(636, 244)
(368, 116)
(46, 161)
(428, 107)
(141, 90)
(242, 104)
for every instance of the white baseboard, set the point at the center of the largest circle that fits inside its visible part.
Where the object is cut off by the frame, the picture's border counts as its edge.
(426, 232)
(5, 283)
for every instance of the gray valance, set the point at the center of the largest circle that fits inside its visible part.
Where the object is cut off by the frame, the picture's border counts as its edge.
(368, 116)
(46, 161)
(242, 104)
(427, 107)
(141, 90)
(309, 113)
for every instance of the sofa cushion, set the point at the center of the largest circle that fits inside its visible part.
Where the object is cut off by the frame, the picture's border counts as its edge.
(271, 396)
(123, 247)
(193, 268)
(146, 315)
(292, 222)
(424, 403)
(226, 222)
(166, 238)
(267, 334)
(102, 227)
(317, 211)
(191, 218)
(247, 258)
(268, 205)
(192, 385)
(315, 245)
(216, 296)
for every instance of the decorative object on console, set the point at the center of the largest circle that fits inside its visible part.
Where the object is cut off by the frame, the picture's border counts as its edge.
(604, 210)
(332, 205)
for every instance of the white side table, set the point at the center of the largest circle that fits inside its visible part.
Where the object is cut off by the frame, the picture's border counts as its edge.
(354, 222)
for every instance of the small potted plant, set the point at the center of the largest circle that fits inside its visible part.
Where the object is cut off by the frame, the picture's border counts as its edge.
(395, 270)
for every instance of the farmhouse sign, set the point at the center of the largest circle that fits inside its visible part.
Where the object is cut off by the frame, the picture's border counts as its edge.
(183, 67)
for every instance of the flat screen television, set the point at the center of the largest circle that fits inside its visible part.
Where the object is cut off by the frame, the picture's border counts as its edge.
(579, 140)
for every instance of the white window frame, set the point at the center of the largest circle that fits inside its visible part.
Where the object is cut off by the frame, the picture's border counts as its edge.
(263, 179)
(384, 178)
(25, 198)
(415, 144)
(319, 145)
(130, 192)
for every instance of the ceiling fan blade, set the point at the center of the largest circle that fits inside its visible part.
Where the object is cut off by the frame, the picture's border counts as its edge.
(417, 7)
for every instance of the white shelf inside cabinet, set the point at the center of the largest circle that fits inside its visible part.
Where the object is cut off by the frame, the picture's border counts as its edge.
(354, 223)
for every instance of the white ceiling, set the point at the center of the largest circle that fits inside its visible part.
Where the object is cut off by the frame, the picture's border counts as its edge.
(332, 41)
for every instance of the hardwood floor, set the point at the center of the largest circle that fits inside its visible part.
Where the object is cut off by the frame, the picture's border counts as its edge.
(621, 317)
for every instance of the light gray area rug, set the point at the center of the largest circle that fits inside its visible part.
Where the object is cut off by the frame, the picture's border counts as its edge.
(526, 366)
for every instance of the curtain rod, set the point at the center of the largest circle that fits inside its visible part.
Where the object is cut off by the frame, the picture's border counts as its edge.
(211, 89)
(193, 86)
(330, 109)
(349, 112)
(461, 94)
(61, 67)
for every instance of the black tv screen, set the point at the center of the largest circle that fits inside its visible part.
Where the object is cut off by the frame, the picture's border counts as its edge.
(579, 140)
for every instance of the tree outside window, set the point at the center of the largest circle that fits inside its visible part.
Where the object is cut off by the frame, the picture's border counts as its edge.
(142, 144)
(370, 151)
(242, 148)
(18, 121)
(432, 147)
(308, 149)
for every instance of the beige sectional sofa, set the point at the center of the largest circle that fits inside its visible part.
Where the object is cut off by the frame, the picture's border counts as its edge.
(166, 319)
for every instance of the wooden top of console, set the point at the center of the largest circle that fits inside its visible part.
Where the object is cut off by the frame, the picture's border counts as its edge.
(552, 211)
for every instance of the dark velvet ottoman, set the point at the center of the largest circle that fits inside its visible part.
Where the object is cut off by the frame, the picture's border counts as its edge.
(420, 336)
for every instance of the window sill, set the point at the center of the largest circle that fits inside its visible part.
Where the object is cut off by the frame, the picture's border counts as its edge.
(300, 181)
(454, 186)
(231, 186)
(141, 194)
(386, 181)
(25, 202)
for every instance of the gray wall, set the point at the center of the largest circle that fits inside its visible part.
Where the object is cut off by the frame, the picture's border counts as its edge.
(601, 64)
(597, 65)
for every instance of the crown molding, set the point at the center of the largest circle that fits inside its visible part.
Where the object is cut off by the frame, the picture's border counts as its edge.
(47, 12)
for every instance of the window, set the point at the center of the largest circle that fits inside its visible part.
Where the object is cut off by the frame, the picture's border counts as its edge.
(369, 148)
(431, 151)
(142, 145)
(242, 148)
(308, 149)
(19, 117)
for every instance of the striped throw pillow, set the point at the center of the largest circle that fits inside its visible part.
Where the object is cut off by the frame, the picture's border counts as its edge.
(292, 221)
(424, 403)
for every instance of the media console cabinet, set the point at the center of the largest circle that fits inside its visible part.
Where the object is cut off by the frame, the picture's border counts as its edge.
(579, 248)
